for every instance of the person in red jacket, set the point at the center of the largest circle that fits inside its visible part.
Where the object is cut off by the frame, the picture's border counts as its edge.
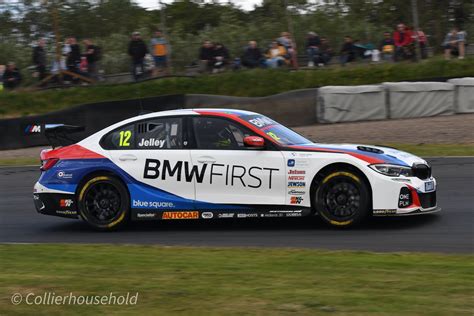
(403, 39)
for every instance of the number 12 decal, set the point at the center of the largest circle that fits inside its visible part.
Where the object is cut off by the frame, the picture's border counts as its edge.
(125, 138)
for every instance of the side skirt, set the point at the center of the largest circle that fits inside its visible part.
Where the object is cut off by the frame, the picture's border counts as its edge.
(256, 211)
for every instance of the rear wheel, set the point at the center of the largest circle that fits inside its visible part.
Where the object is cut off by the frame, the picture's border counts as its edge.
(342, 198)
(104, 203)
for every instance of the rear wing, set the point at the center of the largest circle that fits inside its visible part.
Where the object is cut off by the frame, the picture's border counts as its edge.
(59, 134)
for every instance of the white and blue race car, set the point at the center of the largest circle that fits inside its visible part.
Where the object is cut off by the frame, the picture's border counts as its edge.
(219, 163)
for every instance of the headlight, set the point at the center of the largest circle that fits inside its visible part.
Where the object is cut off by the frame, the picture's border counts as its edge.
(393, 170)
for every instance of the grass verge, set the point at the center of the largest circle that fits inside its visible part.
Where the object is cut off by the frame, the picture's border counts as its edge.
(225, 281)
(423, 150)
(244, 83)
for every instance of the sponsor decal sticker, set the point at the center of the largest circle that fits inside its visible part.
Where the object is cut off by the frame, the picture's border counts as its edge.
(207, 215)
(296, 178)
(64, 175)
(180, 215)
(296, 200)
(66, 212)
(65, 202)
(385, 212)
(296, 192)
(404, 199)
(146, 215)
(291, 162)
(297, 185)
(247, 215)
(230, 175)
(288, 213)
(226, 215)
(296, 172)
(33, 129)
(152, 204)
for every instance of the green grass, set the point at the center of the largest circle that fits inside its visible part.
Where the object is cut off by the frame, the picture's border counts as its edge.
(245, 83)
(24, 161)
(432, 150)
(423, 150)
(225, 281)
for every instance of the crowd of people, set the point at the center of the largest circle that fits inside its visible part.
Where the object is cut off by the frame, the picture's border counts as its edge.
(214, 57)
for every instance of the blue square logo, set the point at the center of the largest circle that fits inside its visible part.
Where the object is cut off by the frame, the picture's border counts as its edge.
(291, 162)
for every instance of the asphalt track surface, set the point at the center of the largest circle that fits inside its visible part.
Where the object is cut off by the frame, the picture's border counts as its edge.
(451, 231)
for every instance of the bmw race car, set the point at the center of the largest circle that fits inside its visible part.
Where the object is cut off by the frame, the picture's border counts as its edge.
(220, 163)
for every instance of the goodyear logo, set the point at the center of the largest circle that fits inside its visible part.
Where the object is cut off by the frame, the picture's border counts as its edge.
(180, 215)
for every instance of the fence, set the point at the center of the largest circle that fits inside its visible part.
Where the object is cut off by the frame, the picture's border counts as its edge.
(294, 108)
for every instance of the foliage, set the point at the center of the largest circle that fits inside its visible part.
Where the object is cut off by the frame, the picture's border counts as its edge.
(242, 83)
(189, 22)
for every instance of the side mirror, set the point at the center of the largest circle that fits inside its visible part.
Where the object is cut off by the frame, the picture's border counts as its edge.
(254, 141)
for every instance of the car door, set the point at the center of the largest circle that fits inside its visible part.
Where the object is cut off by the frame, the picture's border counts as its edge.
(234, 173)
(153, 152)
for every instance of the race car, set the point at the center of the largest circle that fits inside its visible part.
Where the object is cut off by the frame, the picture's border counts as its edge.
(223, 163)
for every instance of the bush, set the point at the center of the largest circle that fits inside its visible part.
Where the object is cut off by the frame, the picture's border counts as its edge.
(250, 83)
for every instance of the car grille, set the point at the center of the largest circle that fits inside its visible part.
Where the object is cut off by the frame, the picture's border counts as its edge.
(421, 171)
(427, 200)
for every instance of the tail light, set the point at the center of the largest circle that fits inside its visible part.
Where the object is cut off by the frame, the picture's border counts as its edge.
(48, 164)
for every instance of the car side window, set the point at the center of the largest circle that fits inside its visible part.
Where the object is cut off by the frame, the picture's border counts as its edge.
(160, 133)
(120, 138)
(218, 133)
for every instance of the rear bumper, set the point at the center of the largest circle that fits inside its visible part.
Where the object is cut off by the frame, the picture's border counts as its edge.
(57, 204)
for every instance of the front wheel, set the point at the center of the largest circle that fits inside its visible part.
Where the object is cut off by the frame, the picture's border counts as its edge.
(104, 203)
(342, 199)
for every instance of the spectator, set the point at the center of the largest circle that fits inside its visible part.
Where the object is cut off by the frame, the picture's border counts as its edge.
(11, 77)
(348, 52)
(454, 44)
(2, 70)
(423, 43)
(137, 50)
(159, 50)
(403, 40)
(206, 56)
(92, 55)
(276, 55)
(387, 47)
(220, 57)
(287, 42)
(73, 56)
(312, 48)
(39, 58)
(252, 57)
(325, 53)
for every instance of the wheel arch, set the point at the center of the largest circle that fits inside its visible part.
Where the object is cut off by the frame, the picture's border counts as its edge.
(340, 166)
(100, 172)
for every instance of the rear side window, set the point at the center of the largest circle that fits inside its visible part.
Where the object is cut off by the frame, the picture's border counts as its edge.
(160, 133)
(121, 138)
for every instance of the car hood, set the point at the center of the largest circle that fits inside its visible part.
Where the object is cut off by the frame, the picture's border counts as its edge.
(369, 153)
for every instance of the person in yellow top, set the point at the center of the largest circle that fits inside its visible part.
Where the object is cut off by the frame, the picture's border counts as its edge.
(159, 50)
(387, 46)
(276, 55)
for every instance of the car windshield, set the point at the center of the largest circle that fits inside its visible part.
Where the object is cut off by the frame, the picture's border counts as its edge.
(281, 134)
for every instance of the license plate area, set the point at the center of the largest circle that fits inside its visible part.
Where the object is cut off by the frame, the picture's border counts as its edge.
(429, 186)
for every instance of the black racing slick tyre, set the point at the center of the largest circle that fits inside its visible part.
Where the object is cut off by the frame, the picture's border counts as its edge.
(104, 203)
(342, 198)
